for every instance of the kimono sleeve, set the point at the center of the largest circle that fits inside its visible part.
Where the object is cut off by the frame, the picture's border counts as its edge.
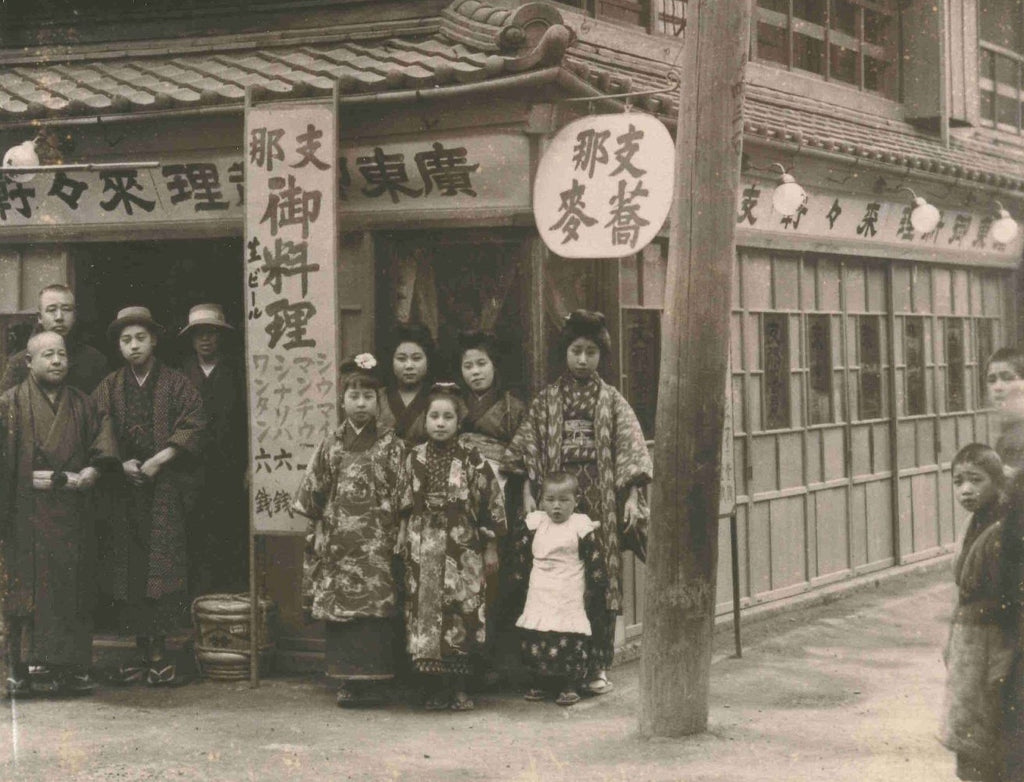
(633, 465)
(522, 457)
(314, 490)
(386, 466)
(516, 565)
(103, 450)
(487, 498)
(595, 575)
(189, 430)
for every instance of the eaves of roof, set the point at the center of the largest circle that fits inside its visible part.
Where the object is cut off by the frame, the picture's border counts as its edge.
(814, 128)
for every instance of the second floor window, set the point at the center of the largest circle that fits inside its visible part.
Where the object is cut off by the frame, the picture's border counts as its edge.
(849, 41)
(1000, 62)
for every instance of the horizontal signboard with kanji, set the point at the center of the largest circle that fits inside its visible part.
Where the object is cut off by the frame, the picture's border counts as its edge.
(883, 222)
(432, 172)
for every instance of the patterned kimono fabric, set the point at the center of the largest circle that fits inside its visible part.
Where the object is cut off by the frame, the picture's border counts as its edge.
(979, 653)
(347, 570)
(587, 428)
(48, 536)
(408, 421)
(147, 558)
(492, 419)
(564, 568)
(451, 506)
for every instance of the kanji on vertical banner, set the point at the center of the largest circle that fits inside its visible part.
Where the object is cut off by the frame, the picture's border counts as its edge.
(604, 186)
(291, 169)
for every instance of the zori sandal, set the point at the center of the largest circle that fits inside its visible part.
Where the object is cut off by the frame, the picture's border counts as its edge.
(534, 694)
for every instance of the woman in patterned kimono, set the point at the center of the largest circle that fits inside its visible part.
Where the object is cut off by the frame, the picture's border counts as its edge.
(347, 569)
(452, 513)
(584, 426)
(493, 417)
(405, 400)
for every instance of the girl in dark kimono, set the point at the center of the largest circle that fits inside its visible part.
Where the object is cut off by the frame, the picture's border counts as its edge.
(1005, 380)
(405, 400)
(347, 575)
(493, 417)
(979, 651)
(452, 513)
(584, 426)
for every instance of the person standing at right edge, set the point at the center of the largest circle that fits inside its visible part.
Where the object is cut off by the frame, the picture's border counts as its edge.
(584, 426)
(160, 427)
(218, 548)
(1004, 377)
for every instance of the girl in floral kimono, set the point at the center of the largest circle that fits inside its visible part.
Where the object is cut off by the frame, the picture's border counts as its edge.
(405, 400)
(584, 426)
(353, 526)
(452, 514)
(979, 652)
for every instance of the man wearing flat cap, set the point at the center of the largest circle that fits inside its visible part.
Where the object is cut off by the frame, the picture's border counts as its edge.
(218, 534)
(160, 427)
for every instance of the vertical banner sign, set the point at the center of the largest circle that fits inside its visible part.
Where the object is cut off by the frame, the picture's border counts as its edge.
(291, 168)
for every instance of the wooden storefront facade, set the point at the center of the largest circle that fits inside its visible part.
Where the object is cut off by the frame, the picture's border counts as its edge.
(856, 361)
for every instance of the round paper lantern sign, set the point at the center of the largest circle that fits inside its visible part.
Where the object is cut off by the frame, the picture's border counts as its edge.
(604, 186)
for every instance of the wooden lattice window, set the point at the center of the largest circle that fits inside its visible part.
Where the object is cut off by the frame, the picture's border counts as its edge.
(641, 301)
(849, 41)
(956, 390)
(1001, 63)
(819, 369)
(869, 353)
(775, 358)
(913, 353)
(985, 345)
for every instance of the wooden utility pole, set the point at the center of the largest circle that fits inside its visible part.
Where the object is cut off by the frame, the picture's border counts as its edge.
(679, 605)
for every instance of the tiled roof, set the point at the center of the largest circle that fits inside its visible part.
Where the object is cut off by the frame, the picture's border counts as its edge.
(474, 42)
(811, 125)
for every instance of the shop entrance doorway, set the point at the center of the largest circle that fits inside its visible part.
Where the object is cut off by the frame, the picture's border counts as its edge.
(455, 281)
(168, 277)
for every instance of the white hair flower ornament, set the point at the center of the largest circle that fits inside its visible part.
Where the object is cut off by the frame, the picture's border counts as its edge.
(365, 361)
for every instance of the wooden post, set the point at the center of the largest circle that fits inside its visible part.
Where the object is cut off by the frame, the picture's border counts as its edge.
(683, 552)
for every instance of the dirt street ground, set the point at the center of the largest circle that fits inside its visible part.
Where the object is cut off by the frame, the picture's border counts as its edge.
(851, 691)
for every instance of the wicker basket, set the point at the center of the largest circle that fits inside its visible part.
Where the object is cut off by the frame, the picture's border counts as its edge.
(222, 628)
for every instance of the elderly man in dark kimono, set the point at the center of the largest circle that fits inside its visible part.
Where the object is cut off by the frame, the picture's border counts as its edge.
(52, 443)
(160, 427)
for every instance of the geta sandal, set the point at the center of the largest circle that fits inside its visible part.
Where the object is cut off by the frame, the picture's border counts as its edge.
(163, 676)
(439, 701)
(462, 702)
(534, 694)
(130, 674)
(568, 698)
(600, 685)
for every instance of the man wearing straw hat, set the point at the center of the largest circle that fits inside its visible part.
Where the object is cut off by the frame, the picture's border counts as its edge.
(160, 427)
(218, 537)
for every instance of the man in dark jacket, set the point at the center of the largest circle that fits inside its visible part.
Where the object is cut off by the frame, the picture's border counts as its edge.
(219, 531)
(87, 366)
